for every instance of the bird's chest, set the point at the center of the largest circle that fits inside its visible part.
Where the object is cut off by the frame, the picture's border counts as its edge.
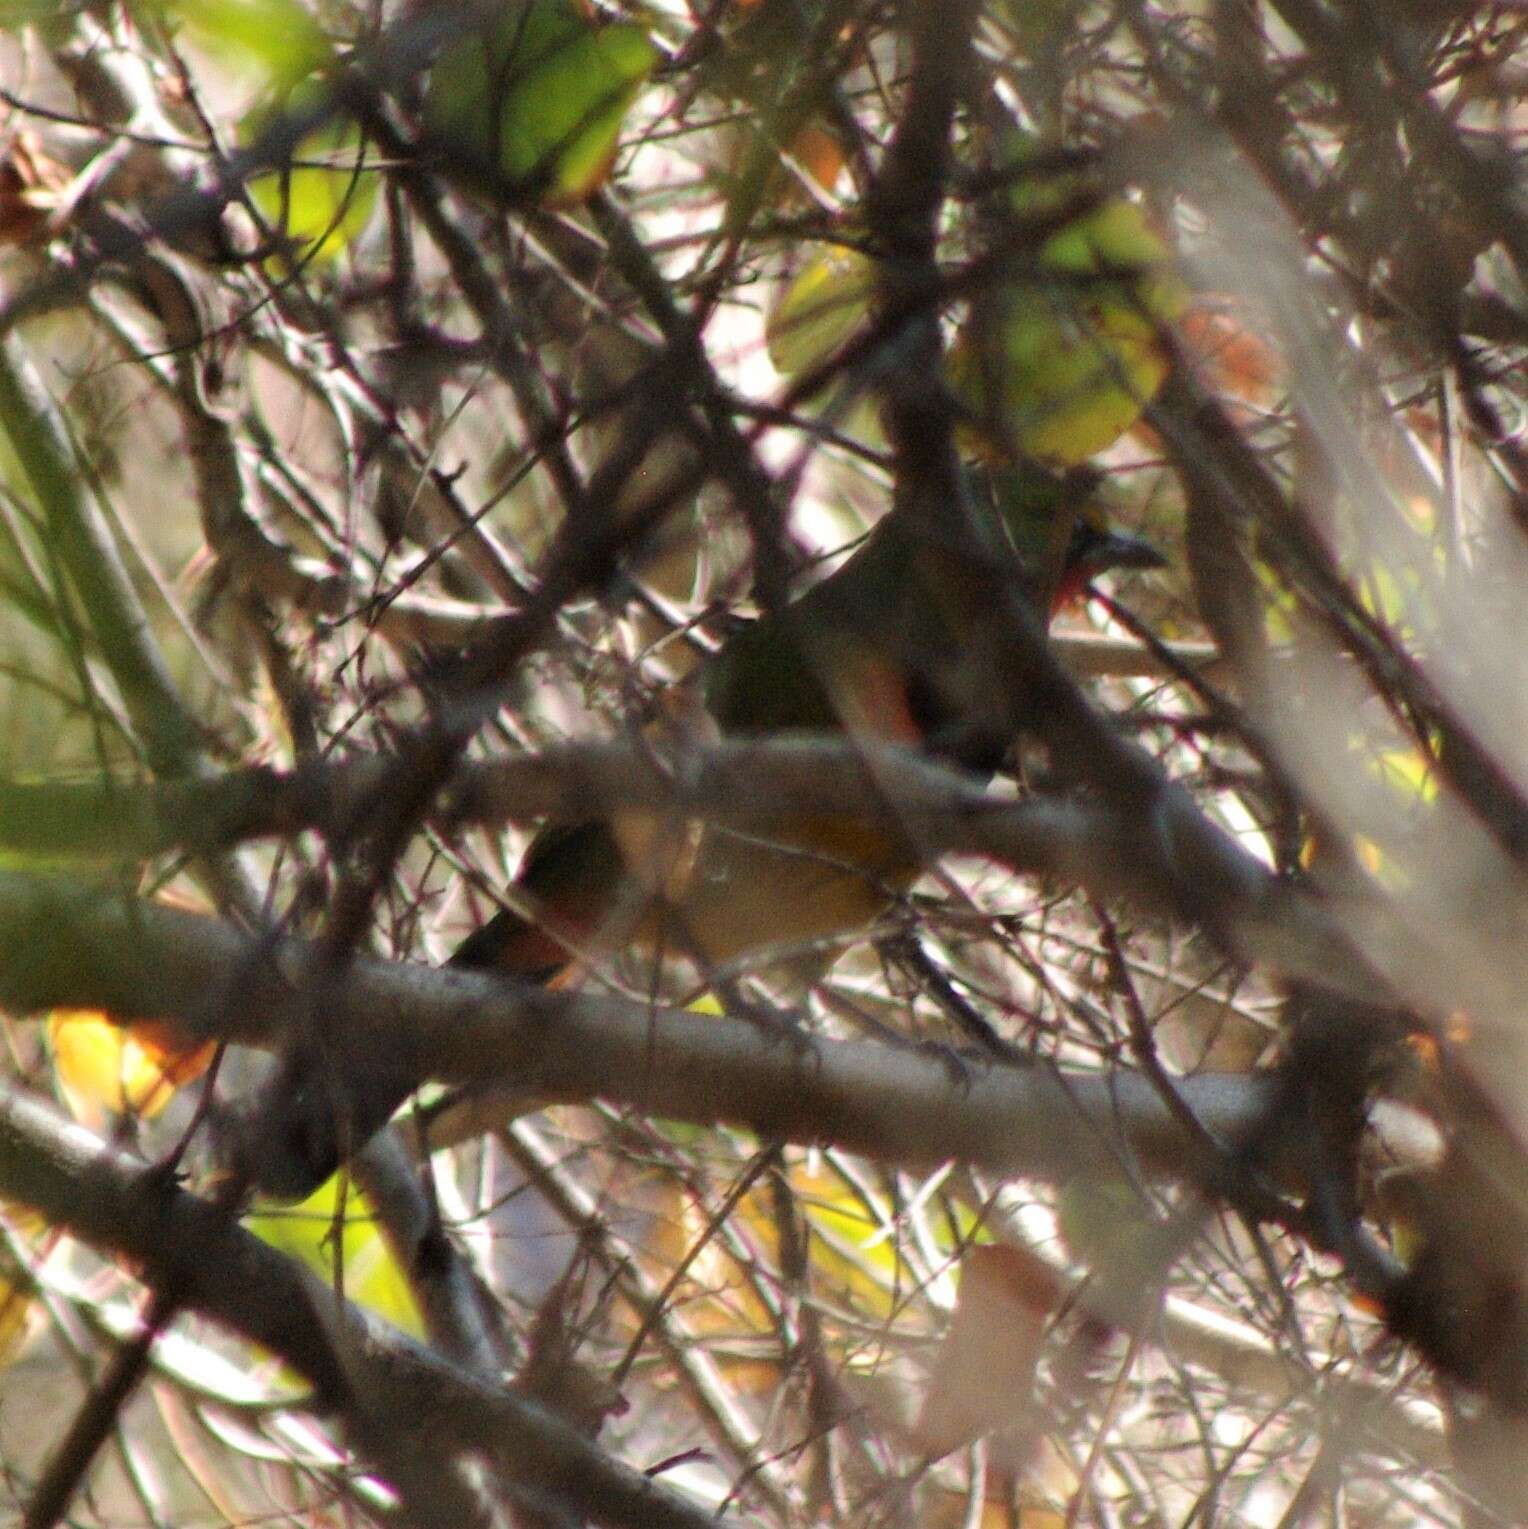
(804, 885)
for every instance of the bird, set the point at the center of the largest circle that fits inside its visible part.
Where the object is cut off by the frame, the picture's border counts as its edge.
(869, 651)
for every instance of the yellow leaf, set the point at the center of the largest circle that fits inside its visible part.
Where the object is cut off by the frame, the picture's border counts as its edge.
(854, 1260)
(325, 199)
(104, 1068)
(18, 1306)
(1407, 770)
(372, 1275)
(1058, 366)
(855, 1267)
(17, 1311)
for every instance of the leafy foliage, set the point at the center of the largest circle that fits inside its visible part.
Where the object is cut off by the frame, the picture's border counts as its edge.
(392, 397)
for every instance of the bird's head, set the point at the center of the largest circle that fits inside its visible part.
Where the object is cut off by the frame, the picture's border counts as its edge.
(1061, 527)
(1095, 548)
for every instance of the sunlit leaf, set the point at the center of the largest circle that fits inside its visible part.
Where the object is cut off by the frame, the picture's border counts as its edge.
(1369, 855)
(104, 1068)
(540, 97)
(1409, 771)
(19, 1308)
(326, 198)
(1280, 604)
(371, 1273)
(856, 1261)
(1060, 364)
(18, 1313)
(854, 1256)
(278, 41)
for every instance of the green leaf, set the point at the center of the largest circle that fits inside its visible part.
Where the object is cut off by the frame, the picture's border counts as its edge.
(1061, 364)
(325, 200)
(1059, 384)
(819, 309)
(541, 97)
(277, 39)
(15, 14)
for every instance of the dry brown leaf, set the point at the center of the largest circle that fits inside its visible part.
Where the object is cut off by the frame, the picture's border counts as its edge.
(983, 1379)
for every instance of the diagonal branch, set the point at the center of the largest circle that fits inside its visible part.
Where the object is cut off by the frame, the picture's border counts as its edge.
(390, 1389)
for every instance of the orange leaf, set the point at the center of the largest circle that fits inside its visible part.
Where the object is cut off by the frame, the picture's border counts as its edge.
(181, 1059)
(1230, 358)
(818, 154)
(107, 1068)
(32, 186)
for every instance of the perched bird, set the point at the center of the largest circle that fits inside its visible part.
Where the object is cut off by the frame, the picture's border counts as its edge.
(871, 650)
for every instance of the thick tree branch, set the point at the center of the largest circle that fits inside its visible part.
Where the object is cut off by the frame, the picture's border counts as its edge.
(78, 948)
(752, 787)
(385, 1385)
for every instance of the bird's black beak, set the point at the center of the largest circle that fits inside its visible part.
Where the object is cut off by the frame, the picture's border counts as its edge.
(1114, 549)
(1095, 550)
(1120, 551)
